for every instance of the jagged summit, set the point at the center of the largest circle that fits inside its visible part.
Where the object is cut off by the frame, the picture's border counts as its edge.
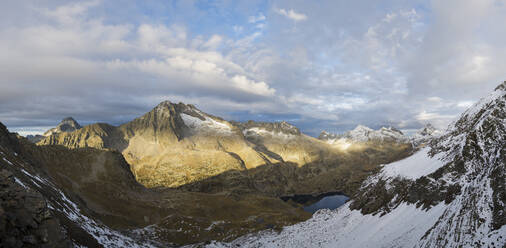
(427, 129)
(425, 134)
(183, 119)
(68, 124)
(363, 133)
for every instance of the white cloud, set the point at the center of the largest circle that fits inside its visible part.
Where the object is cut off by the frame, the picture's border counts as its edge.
(75, 54)
(67, 14)
(291, 14)
(259, 18)
(251, 86)
(214, 42)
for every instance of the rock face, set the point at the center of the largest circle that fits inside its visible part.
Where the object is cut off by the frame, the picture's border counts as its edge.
(452, 193)
(66, 125)
(177, 145)
(25, 218)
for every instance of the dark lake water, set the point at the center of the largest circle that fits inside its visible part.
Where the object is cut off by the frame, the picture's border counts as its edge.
(330, 202)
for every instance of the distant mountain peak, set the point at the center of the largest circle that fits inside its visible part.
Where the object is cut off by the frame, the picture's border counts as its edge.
(181, 120)
(428, 129)
(363, 133)
(68, 124)
(425, 134)
(362, 128)
(325, 135)
(69, 118)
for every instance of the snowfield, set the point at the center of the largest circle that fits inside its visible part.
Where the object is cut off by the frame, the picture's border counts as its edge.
(343, 227)
(415, 166)
(205, 125)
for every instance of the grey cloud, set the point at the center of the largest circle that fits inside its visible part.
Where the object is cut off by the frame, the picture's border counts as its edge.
(347, 63)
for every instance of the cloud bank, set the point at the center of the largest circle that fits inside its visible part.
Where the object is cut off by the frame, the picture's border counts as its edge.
(331, 65)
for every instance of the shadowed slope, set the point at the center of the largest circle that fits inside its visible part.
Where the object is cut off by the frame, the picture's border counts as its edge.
(93, 193)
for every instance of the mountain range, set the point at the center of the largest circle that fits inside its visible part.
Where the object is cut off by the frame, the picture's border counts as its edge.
(179, 176)
(177, 145)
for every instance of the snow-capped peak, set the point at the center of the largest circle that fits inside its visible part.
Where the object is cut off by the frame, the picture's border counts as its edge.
(365, 134)
(425, 134)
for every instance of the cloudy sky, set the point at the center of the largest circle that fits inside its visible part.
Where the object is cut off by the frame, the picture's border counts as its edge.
(316, 64)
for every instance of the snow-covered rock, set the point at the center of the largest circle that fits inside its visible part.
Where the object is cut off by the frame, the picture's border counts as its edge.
(280, 130)
(365, 134)
(449, 194)
(208, 124)
(425, 134)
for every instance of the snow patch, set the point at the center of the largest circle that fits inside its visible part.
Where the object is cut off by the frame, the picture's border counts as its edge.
(214, 223)
(7, 161)
(20, 183)
(205, 125)
(263, 132)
